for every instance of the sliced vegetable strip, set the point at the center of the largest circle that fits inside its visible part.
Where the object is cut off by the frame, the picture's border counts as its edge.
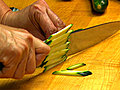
(55, 60)
(61, 38)
(56, 55)
(72, 73)
(76, 66)
(59, 33)
(59, 47)
(51, 66)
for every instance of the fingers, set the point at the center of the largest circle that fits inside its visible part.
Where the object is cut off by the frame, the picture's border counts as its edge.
(41, 47)
(31, 63)
(55, 19)
(11, 62)
(20, 71)
(27, 64)
(44, 21)
(41, 50)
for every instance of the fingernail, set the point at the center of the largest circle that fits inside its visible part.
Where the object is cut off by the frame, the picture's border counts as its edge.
(60, 25)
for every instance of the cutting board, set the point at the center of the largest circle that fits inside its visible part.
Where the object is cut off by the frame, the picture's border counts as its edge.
(103, 59)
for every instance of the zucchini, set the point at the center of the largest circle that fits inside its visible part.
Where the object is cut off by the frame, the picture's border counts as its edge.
(76, 66)
(59, 33)
(61, 38)
(72, 73)
(57, 54)
(58, 43)
(55, 60)
(53, 65)
(99, 5)
(60, 47)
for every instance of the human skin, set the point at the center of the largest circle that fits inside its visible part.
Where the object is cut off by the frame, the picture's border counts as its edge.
(20, 52)
(23, 51)
(37, 18)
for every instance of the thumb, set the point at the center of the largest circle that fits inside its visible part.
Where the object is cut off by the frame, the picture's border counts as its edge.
(41, 47)
(41, 50)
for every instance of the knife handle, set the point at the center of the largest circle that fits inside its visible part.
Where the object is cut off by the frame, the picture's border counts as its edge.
(1, 66)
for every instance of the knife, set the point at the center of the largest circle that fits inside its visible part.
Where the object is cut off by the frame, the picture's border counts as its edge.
(84, 38)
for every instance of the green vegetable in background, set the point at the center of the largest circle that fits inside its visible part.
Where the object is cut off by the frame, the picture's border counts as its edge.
(99, 5)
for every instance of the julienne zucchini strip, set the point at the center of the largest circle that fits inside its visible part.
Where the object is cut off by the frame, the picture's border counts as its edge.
(53, 61)
(58, 52)
(76, 66)
(58, 48)
(59, 44)
(50, 62)
(72, 73)
(61, 38)
(59, 33)
(51, 66)
(56, 55)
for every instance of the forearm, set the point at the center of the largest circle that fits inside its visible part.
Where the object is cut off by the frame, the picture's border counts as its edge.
(3, 10)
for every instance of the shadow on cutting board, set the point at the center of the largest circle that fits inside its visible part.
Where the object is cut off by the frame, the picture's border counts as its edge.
(11, 84)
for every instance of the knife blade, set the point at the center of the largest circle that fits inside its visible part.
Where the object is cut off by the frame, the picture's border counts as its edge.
(84, 38)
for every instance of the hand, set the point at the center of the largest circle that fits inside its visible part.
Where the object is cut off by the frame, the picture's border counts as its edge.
(20, 52)
(37, 18)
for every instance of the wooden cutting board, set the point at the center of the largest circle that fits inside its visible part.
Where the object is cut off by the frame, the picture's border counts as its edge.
(103, 59)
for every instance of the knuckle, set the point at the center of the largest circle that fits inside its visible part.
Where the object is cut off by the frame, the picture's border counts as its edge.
(29, 38)
(25, 47)
(40, 8)
(18, 50)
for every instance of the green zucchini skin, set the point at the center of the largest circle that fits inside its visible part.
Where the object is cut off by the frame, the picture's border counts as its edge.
(72, 73)
(76, 66)
(99, 5)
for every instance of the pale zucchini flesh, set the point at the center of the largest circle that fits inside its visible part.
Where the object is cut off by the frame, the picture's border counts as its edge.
(56, 55)
(55, 60)
(76, 66)
(58, 48)
(58, 44)
(51, 66)
(59, 33)
(72, 73)
(61, 38)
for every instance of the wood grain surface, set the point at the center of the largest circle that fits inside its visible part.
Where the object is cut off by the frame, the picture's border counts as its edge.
(103, 60)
